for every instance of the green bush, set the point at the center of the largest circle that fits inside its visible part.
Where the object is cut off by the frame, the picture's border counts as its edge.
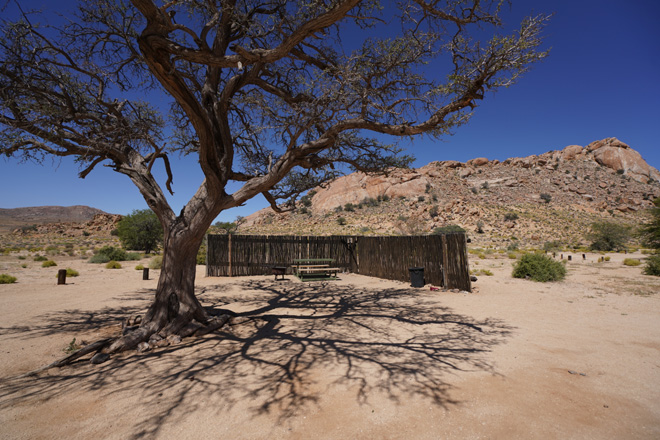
(48, 263)
(71, 272)
(7, 279)
(341, 221)
(608, 236)
(552, 246)
(652, 266)
(140, 230)
(99, 259)
(111, 253)
(448, 229)
(40, 258)
(539, 267)
(156, 262)
(139, 267)
(631, 262)
(510, 216)
(113, 265)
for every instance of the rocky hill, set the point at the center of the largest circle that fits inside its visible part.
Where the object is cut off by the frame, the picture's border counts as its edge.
(11, 219)
(551, 196)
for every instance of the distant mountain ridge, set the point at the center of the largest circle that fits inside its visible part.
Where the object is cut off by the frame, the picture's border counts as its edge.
(13, 218)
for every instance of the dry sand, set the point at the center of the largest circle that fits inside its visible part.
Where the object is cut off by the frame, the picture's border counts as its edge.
(359, 358)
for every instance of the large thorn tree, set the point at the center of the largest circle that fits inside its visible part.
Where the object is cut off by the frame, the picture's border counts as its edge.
(275, 95)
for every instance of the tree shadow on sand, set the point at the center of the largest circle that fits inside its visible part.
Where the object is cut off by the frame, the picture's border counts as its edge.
(290, 344)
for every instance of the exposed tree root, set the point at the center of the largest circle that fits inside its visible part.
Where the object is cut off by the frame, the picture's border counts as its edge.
(133, 336)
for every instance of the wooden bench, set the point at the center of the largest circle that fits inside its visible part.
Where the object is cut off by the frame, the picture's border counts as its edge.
(314, 268)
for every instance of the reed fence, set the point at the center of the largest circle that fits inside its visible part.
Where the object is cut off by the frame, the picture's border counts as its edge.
(443, 257)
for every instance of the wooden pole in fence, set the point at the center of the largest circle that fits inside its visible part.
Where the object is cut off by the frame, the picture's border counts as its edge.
(229, 254)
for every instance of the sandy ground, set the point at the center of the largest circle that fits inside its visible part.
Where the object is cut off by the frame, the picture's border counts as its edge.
(358, 358)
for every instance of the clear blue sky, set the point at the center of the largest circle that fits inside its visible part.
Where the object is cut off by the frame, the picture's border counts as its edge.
(600, 80)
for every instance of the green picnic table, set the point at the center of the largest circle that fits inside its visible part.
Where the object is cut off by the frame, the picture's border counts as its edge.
(307, 269)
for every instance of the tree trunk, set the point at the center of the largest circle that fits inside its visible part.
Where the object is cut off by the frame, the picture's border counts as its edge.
(175, 309)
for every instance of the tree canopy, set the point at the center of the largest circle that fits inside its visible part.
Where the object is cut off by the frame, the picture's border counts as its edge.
(140, 230)
(271, 97)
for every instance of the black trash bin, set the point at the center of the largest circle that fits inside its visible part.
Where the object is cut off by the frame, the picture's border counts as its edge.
(416, 276)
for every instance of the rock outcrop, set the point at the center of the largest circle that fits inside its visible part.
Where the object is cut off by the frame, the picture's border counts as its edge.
(609, 153)
(557, 194)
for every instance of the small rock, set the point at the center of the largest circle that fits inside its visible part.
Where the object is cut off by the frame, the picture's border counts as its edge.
(143, 347)
(174, 339)
(99, 358)
(473, 278)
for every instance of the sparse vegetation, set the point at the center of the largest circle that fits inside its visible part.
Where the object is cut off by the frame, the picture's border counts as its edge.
(552, 246)
(447, 229)
(652, 266)
(73, 346)
(48, 263)
(510, 216)
(113, 265)
(608, 236)
(341, 221)
(139, 267)
(349, 207)
(539, 267)
(631, 262)
(156, 262)
(546, 197)
(7, 279)
(111, 253)
(71, 272)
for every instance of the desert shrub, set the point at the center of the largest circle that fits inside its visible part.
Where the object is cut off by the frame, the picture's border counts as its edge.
(421, 198)
(631, 262)
(71, 272)
(652, 266)
(447, 229)
(156, 262)
(349, 207)
(608, 258)
(40, 258)
(111, 253)
(113, 265)
(512, 255)
(99, 259)
(510, 216)
(552, 246)
(546, 197)
(48, 263)
(513, 246)
(341, 221)
(539, 267)
(139, 267)
(650, 232)
(485, 272)
(608, 236)
(434, 211)
(140, 230)
(73, 346)
(7, 279)
(201, 256)
(480, 227)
